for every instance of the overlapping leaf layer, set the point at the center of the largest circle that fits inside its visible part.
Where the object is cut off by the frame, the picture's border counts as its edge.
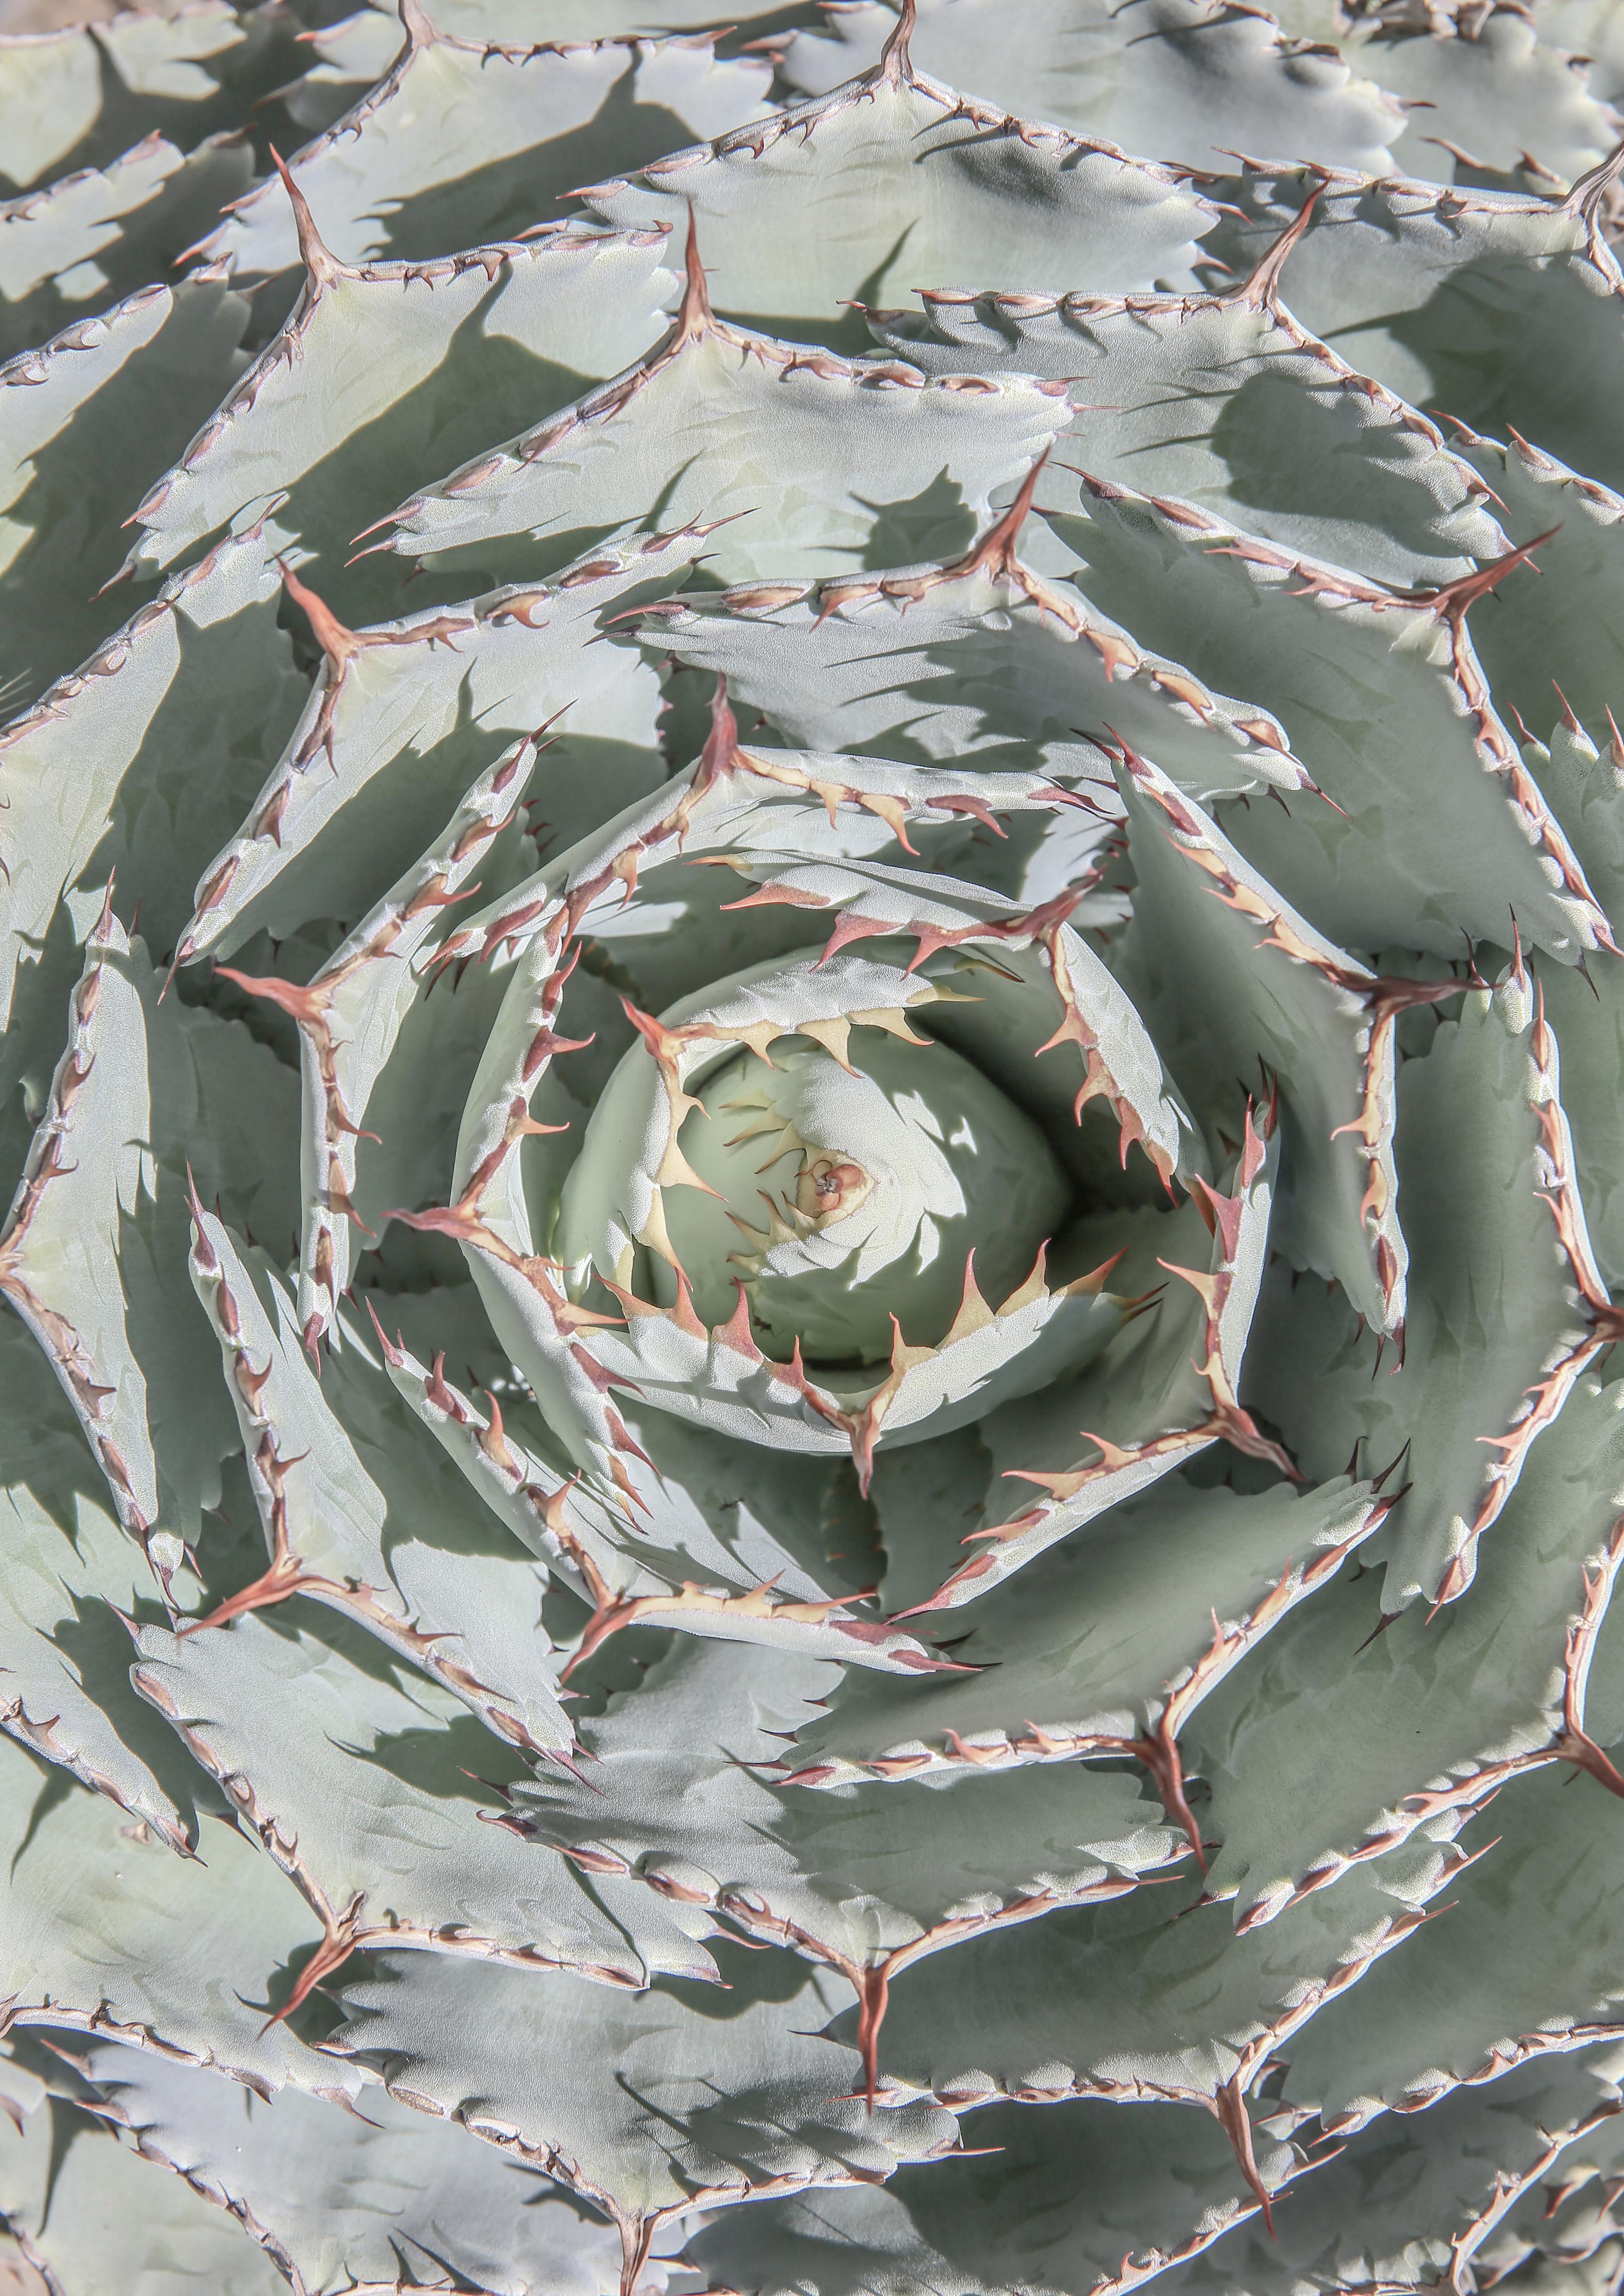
(812, 1087)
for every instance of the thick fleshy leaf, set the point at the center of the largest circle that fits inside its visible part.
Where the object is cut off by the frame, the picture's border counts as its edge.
(358, 1789)
(77, 96)
(1587, 1017)
(1229, 976)
(894, 181)
(678, 2099)
(387, 367)
(1225, 401)
(1558, 644)
(1160, 76)
(863, 1880)
(982, 658)
(99, 779)
(1452, 298)
(465, 141)
(718, 423)
(1104, 1646)
(340, 1470)
(1142, 2000)
(1085, 2199)
(104, 1930)
(1401, 859)
(92, 1255)
(403, 716)
(1506, 1307)
(1045, 992)
(1338, 1743)
(1491, 86)
(108, 400)
(86, 2209)
(1163, 1391)
(67, 1573)
(346, 2198)
(1412, 2215)
(95, 236)
(1480, 1990)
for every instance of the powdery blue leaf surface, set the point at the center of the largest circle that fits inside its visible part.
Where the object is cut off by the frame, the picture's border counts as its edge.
(1294, 1805)
(106, 1931)
(343, 1473)
(895, 180)
(1104, 1646)
(353, 1783)
(91, 1256)
(466, 140)
(839, 460)
(390, 367)
(403, 717)
(1361, 682)
(145, 372)
(1156, 75)
(651, 2104)
(1227, 402)
(344, 2197)
(88, 239)
(1507, 1309)
(1451, 297)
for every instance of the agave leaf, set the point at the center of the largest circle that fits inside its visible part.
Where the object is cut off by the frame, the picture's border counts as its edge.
(339, 1468)
(865, 1880)
(1591, 28)
(389, 366)
(1161, 1393)
(68, 1573)
(1507, 1309)
(84, 2207)
(78, 96)
(1144, 2001)
(1228, 976)
(752, 808)
(342, 2198)
(1415, 2215)
(146, 371)
(1363, 683)
(353, 54)
(430, 698)
(1569, 2217)
(1084, 2201)
(105, 1930)
(355, 1787)
(978, 657)
(894, 179)
(93, 237)
(91, 1253)
(99, 777)
(1291, 1819)
(676, 2099)
(1452, 298)
(1589, 1020)
(1480, 1991)
(1491, 86)
(1227, 402)
(1160, 75)
(408, 172)
(1539, 641)
(1105, 1645)
(715, 422)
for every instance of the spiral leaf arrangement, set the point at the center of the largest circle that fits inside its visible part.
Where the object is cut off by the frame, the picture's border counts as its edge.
(813, 1049)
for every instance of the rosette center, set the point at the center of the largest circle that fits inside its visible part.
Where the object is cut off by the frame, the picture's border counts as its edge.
(845, 1193)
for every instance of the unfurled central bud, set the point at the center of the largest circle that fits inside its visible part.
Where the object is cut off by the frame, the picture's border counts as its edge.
(845, 1195)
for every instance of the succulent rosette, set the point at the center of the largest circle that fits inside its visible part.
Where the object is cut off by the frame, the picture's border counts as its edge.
(810, 1032)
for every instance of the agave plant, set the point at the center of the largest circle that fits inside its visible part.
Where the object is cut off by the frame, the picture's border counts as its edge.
(812, 1460)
